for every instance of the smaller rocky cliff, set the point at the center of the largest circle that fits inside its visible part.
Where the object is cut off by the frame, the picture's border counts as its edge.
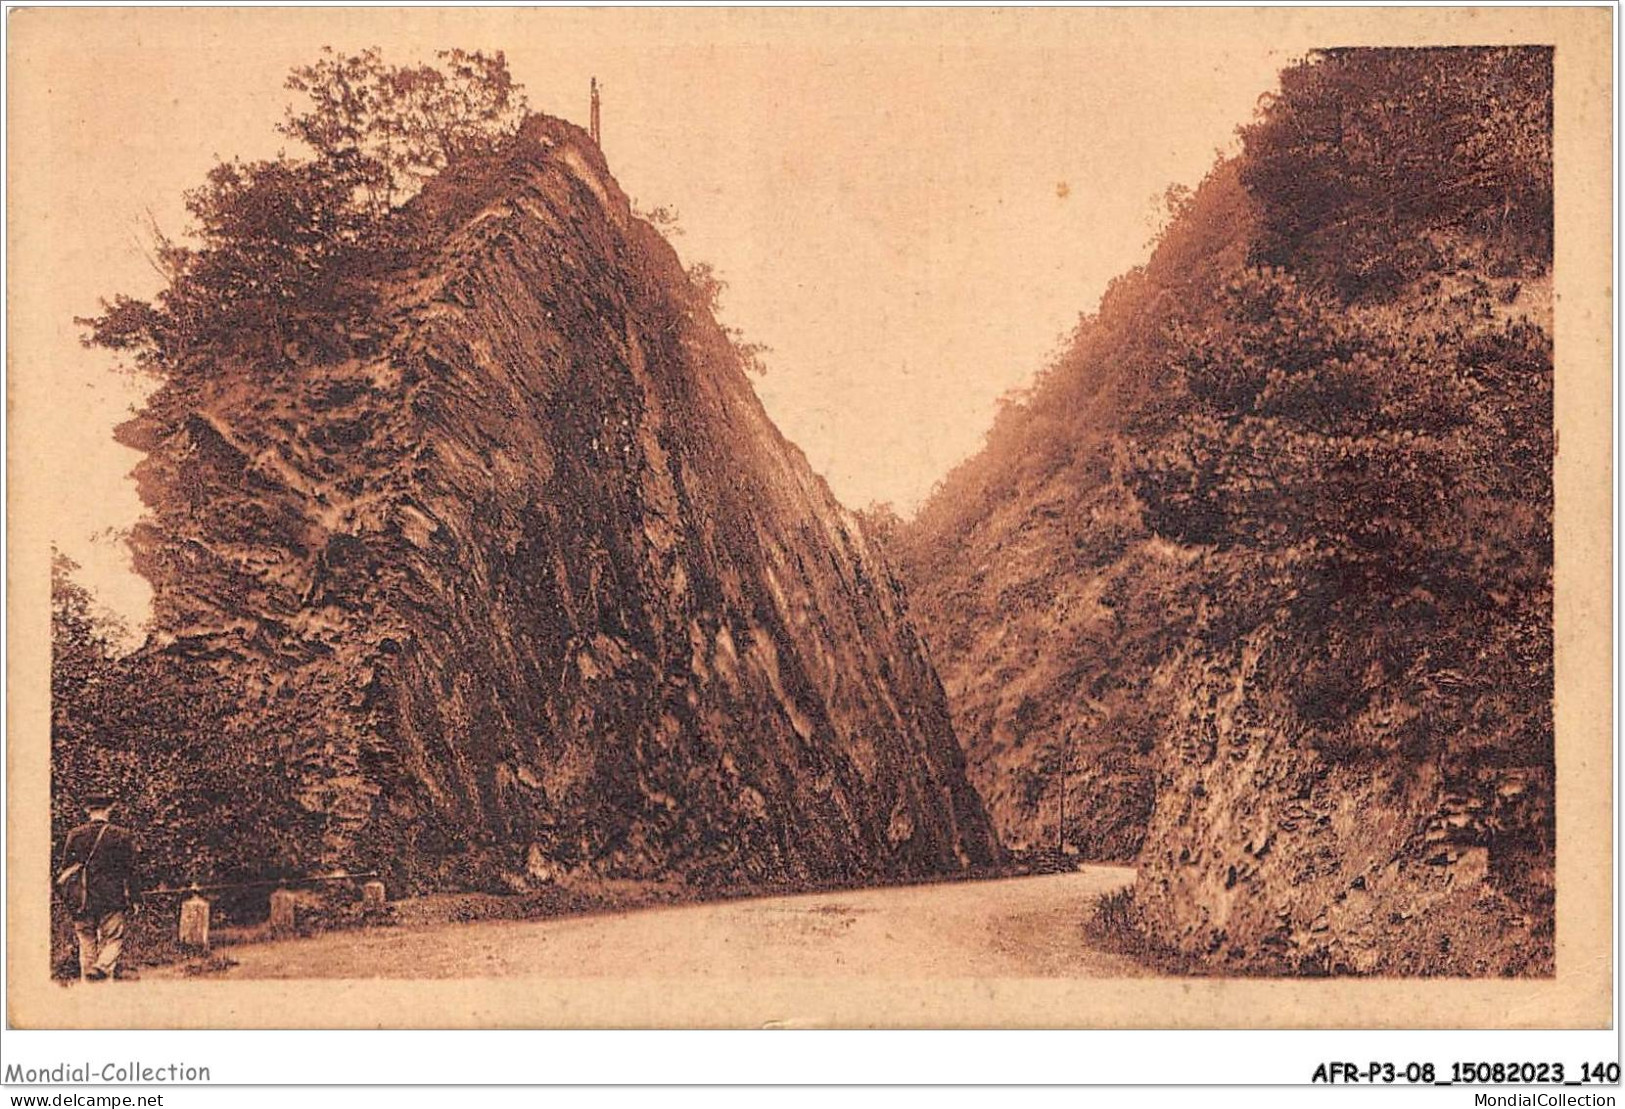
(1269, 549)
(523, 582)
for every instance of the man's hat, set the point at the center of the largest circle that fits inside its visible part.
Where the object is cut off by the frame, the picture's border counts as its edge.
(99, 800)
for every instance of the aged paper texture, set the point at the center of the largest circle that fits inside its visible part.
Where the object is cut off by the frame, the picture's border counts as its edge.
(638, 656)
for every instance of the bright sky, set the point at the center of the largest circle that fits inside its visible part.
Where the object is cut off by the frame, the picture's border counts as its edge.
(911, 207)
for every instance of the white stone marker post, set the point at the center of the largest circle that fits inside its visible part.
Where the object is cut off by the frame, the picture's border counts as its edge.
(195, 923)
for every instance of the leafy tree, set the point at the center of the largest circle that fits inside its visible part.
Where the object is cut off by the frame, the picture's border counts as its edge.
(667, 220)
(286, 252)
(1347, 442)
(383, 130)
(1367, 158)
(280, 248)
(83, 668)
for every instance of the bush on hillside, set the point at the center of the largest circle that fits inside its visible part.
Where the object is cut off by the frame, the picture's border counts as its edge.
(1370, 162)
(283, 255)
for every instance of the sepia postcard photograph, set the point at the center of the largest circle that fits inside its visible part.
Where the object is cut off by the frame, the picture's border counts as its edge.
(722, 518)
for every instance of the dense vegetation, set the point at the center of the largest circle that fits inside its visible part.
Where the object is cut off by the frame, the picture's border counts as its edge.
(1378, 450)
(1285, 507)
(283, 256)
(476, 562)
(1374, 167)
(1260, 571)
(212, 798)
(1047, 601)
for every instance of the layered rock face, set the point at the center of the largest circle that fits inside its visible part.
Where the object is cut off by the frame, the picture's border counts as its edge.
(527, 582)
(1261, 569)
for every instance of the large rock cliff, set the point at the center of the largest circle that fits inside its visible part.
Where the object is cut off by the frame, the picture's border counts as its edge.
(525, 582)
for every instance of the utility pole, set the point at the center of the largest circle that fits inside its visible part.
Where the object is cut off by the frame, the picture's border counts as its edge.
(1066, 757)
(596, 131)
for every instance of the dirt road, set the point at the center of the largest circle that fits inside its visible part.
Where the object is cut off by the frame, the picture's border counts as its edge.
(1010, 927)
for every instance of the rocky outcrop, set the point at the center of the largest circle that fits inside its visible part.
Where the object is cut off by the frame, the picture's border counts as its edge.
(1268, 551)
(1267, 855)
(1047, 603)
(526, 582)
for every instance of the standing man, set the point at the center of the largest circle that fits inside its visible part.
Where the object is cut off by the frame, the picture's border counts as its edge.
(101, 884)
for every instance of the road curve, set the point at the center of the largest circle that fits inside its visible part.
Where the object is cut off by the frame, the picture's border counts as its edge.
(1009, 927)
